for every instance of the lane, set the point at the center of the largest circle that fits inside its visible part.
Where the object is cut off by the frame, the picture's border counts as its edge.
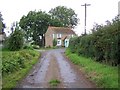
(71, 77)
(54, 65)
(36, 77)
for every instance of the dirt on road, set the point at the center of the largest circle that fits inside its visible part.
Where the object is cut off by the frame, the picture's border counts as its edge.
(53, 65)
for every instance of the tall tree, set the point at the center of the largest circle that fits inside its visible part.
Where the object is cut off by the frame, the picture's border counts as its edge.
(66, 15)
(2, 25)
(35, 25)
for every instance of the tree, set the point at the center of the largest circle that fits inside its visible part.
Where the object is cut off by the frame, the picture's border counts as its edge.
(2, 25)
(16, 41)
(35, 25)
(54, 42)
(65, 15)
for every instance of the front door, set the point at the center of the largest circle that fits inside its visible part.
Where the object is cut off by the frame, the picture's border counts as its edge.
(66, 42)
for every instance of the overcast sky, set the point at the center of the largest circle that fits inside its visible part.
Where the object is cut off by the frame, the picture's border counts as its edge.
(99, 11)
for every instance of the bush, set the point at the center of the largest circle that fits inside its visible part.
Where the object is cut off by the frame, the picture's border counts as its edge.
(16, 65)
(36, 46)
(28, 47)
(16, 41)
(102, 44)
(54, 42)
(15, 60)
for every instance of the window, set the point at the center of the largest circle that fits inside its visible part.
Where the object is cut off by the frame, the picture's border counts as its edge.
(59, 42)
(53, 36)
(59, 35)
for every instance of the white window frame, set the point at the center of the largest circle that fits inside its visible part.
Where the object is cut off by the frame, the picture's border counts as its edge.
(59, 42)
(59, 35)
(53, 36)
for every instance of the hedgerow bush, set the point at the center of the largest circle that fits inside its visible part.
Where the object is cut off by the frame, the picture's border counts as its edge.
(102, 44)
(15, 41)
(26, 46)
(54, 42)
(15, 60)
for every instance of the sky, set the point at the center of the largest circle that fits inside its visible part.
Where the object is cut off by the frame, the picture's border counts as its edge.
(98, 12)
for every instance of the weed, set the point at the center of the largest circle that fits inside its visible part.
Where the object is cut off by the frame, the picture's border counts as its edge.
(54, 82)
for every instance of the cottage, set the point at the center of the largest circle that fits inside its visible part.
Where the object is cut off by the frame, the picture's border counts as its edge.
(60, 34)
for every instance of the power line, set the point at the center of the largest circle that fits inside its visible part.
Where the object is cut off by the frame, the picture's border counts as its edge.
(85, 5)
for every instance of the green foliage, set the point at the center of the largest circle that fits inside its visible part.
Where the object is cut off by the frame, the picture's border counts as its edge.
(103, 75)
(102, 44)
(73, 44)
(54, 82)
(6, 43)
(35, 24)
(66, 15)
(13, 61)
(15, 65)
(36, 46)
(28, 47)
(54, 42)
(16, 40)
(2, 25)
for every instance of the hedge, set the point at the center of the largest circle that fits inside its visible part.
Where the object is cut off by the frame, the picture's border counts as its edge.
(102, 44)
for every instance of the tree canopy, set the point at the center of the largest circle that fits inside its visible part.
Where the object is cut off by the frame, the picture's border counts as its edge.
(66, 15)
(2, 25)
(35, 23)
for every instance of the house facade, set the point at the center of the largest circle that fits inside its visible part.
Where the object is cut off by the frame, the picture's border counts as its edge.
(60, 34)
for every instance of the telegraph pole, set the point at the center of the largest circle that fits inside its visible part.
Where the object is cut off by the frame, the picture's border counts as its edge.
(85, 5)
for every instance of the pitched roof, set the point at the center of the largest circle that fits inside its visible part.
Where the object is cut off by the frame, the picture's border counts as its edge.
(61, 30)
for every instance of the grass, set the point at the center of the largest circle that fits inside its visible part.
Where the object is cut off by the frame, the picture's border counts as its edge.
(103, 75)
(10, 79)
(54, 82)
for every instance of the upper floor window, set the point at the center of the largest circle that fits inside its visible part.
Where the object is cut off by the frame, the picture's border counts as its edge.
(53, 36)
(59, 35)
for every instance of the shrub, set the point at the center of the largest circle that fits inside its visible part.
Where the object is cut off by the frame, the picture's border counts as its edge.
(36, 46)
(102, 44)
(28, 47)
(54, 42)
(16, 41)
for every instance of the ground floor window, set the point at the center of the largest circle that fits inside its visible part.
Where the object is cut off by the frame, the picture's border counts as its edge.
(59, 42)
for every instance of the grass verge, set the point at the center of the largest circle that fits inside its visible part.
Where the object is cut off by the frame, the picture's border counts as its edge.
(103, 75)
(16, 65)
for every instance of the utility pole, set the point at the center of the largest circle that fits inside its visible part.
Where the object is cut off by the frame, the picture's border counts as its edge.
(85, 14)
